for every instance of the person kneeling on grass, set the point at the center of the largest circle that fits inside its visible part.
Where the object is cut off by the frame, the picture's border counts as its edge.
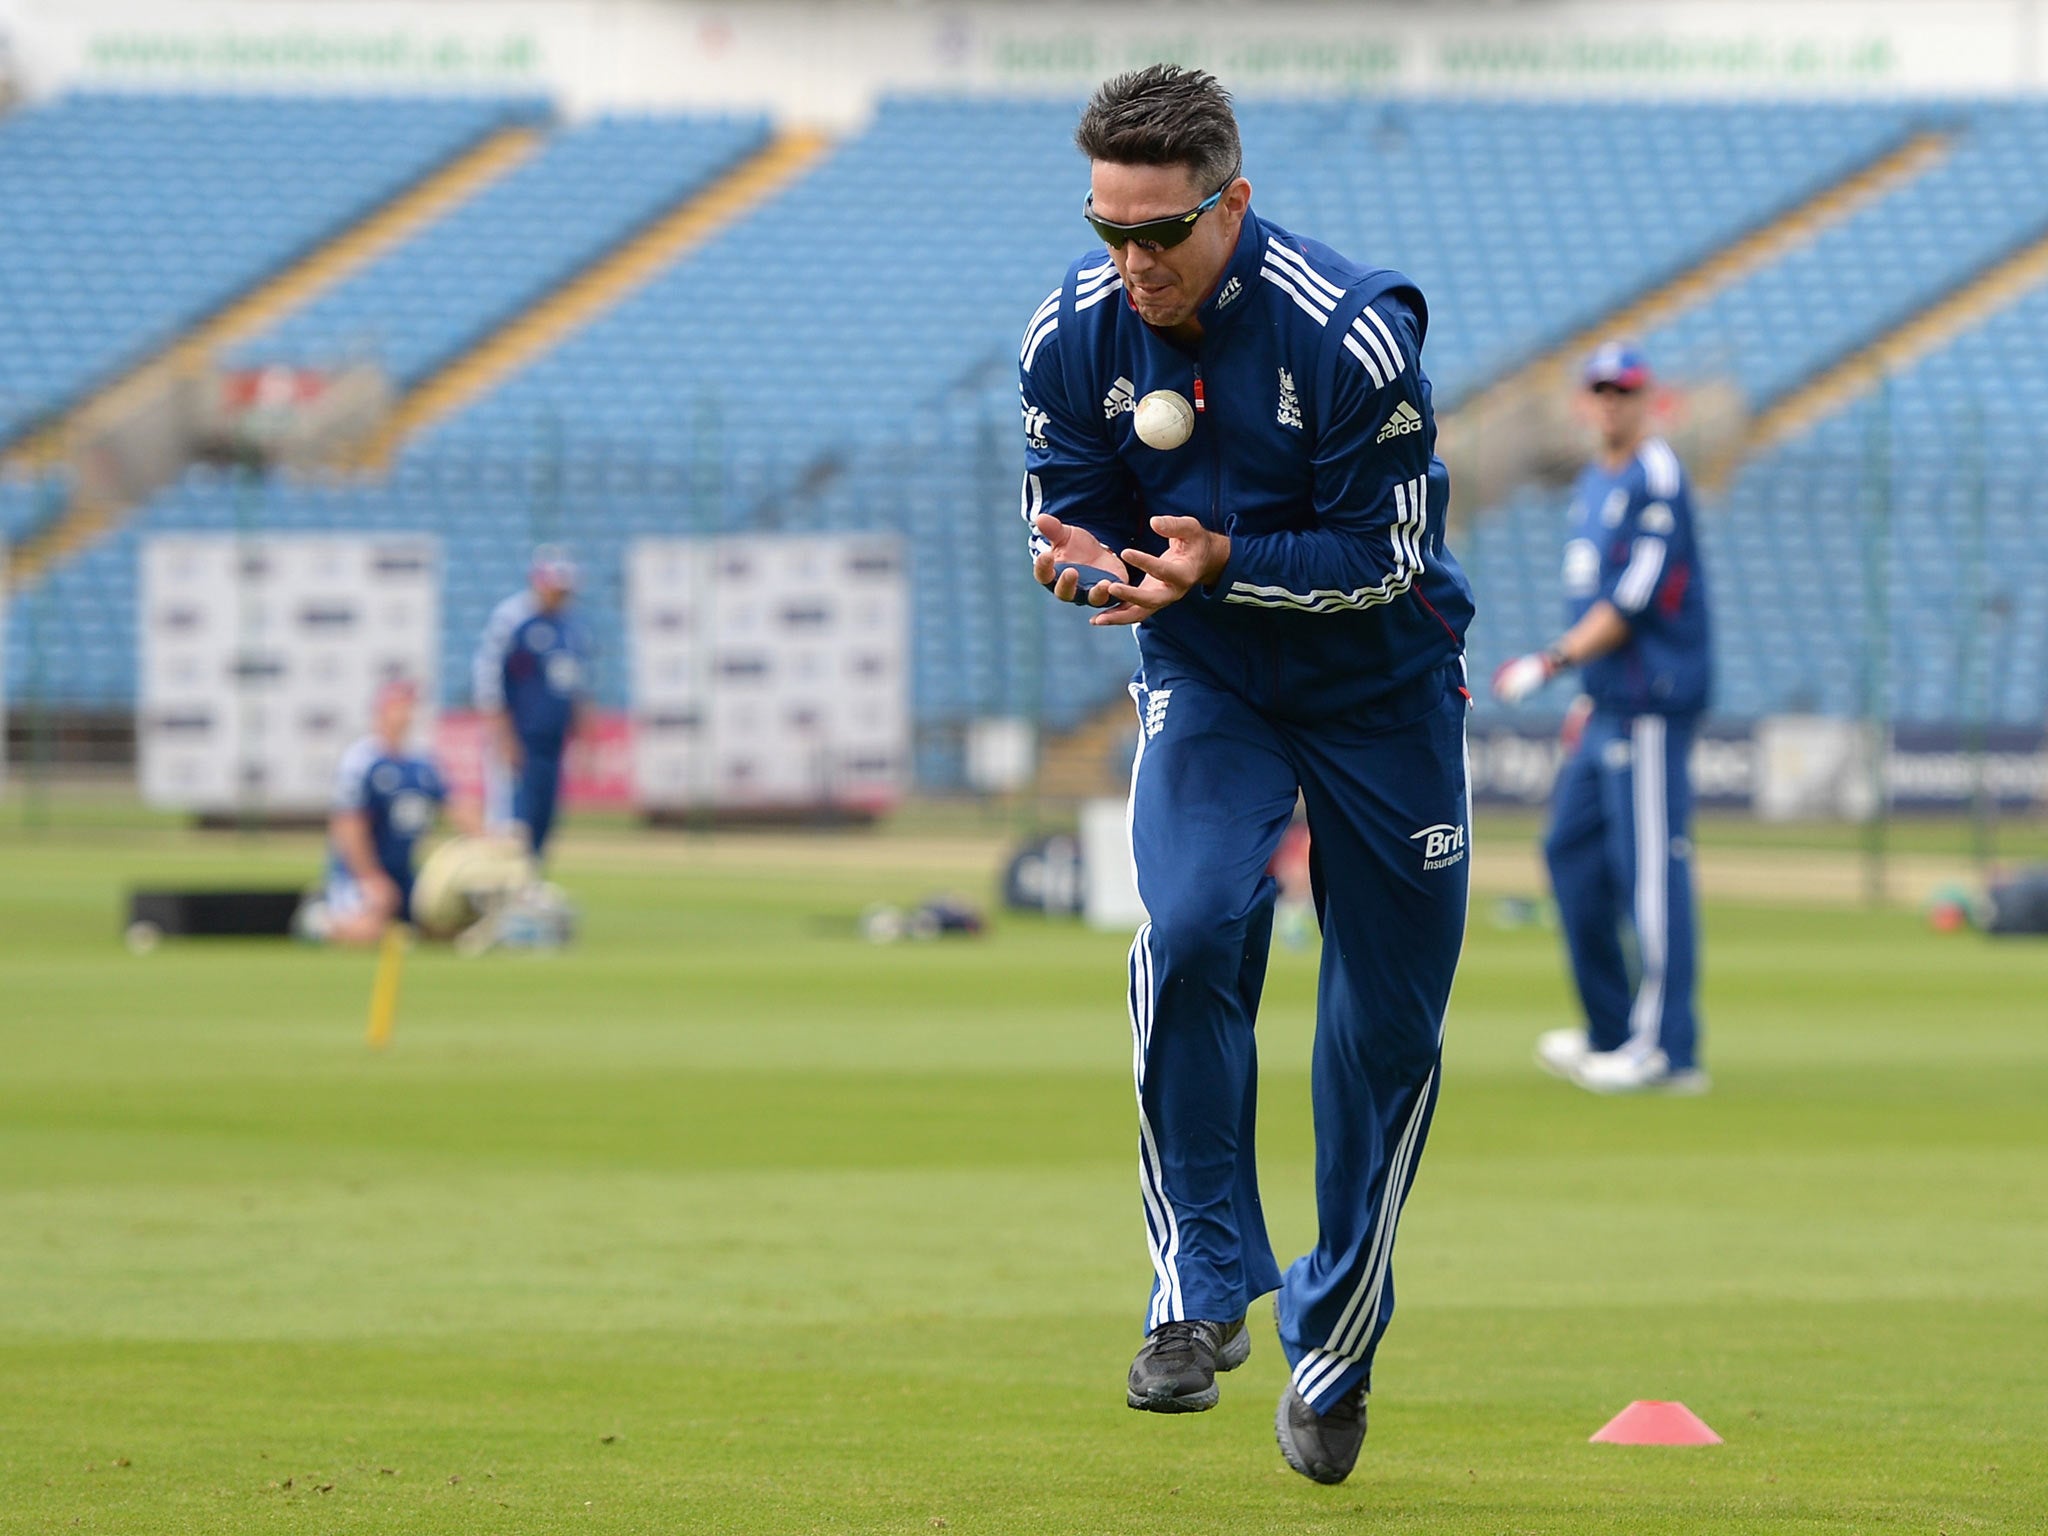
(386, 797)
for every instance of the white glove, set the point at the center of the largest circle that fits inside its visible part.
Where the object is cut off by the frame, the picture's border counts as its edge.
(1519, 678)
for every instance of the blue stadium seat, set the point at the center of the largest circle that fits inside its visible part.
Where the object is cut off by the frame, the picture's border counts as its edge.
(456, 281)
(132, 216)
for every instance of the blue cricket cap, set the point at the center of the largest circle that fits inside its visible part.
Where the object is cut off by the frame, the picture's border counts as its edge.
(1619, 365)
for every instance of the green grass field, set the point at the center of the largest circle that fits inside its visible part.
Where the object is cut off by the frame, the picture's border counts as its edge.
(727, 1221)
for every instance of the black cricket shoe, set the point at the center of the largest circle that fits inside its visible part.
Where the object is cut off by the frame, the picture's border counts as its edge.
(1321, 1446)
(1176, 1370)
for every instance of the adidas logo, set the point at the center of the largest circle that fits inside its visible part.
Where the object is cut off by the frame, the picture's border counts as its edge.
(1289, 414)
(1155, 711)
(1122, 396)
(1405, 419)
(1229, 294)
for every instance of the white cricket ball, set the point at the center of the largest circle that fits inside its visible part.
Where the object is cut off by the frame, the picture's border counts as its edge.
(1165, 419)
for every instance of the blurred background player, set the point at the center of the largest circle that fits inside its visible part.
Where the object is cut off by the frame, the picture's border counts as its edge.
(531, 678)
(1619, 847)
(386, 798)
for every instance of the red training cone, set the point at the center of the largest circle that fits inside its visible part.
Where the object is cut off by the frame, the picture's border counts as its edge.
(1656, 1424)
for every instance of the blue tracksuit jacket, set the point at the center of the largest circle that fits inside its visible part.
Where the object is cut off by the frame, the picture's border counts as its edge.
(1314, 449)
(1632, 544)
(399, 796)
(1325, 664)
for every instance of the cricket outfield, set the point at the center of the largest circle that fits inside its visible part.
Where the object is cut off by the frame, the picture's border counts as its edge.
(726, 1221)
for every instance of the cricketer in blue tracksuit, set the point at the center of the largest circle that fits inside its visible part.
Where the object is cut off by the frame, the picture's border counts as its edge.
(1619, 845)
(531, 670)
(398, 795)
(1325, 660)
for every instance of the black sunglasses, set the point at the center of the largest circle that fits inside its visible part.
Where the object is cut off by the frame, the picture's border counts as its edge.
(1154, 234)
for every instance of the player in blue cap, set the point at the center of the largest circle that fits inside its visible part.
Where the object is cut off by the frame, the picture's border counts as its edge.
(531, 681)
(1619, 847)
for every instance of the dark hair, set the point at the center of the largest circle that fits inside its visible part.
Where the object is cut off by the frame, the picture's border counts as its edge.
(1164, 115)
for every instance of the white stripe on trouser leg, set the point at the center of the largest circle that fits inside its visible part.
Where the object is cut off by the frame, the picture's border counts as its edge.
(1131, 800)
(1319, 1367)
(1653, 862)
(1465, 761)
(1162, 1229)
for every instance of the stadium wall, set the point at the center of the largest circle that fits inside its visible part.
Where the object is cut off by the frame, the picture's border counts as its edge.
(827, 63)
(1736, 766)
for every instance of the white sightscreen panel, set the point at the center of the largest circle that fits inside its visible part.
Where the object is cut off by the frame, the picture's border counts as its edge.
(769, 671)
(260, 657)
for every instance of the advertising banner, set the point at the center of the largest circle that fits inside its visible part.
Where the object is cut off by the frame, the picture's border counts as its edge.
(1798, 767)
(828, 63)
(597, 772)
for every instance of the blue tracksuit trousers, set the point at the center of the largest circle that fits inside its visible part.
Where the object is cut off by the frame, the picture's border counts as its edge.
(528, 794)
(1212, 792)
(538, 790)
(1620, 856)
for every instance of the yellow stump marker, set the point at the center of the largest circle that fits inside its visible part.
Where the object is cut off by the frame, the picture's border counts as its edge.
(384, 992)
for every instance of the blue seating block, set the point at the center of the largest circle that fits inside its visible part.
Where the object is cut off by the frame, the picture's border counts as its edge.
(132, 216)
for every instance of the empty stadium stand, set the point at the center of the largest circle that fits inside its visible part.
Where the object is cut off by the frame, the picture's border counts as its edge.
(435, 295)
(1878, 269)
(133, 216)
(843, 357)
(598, 287)
(27, 505)
(1528, 221)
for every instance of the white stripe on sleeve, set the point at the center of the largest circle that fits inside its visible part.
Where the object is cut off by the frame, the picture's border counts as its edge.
(351, 775)
(1411, 520)
(1638, 583)
(1372, 367)
(487, 669)
(1661, 472)
(1315, 307)
(1293, 261)
(1386, 336)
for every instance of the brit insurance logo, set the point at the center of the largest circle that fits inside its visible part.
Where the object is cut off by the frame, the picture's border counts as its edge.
(1122, 397)
(1035, 423)
(1229, 294)
(1442, 845)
